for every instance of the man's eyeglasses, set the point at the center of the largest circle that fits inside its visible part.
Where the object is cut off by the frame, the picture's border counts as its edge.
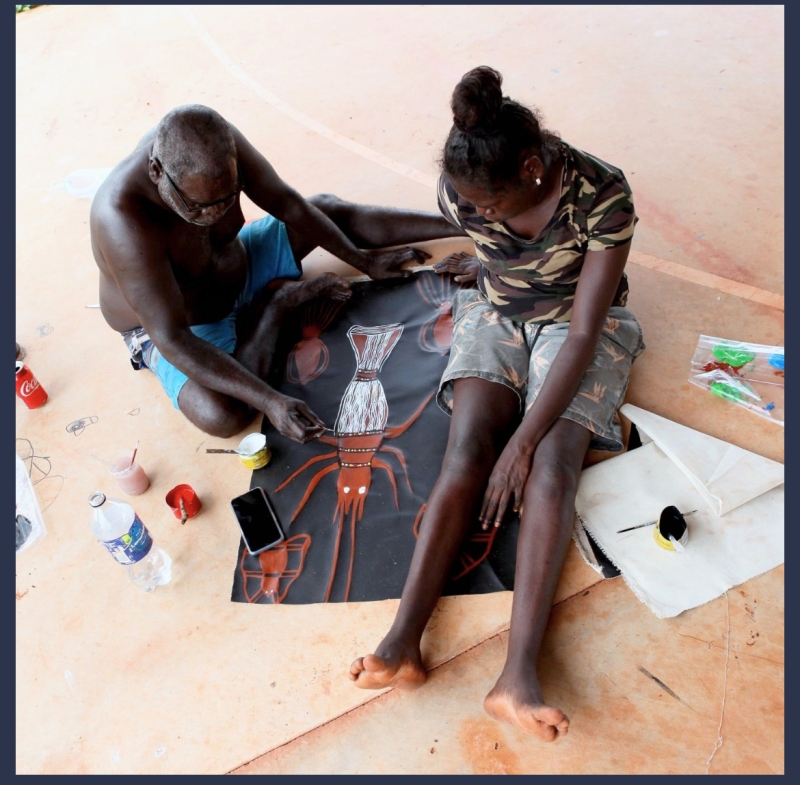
(198, 208)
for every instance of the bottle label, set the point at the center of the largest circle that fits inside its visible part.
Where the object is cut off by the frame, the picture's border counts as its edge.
(131, 547)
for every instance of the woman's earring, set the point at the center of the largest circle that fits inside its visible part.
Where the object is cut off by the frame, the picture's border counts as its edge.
(538, 181)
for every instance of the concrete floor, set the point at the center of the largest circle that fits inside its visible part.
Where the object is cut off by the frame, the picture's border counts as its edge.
(688, 101)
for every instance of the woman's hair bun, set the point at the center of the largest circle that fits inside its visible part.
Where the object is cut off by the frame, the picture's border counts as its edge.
(477, 101)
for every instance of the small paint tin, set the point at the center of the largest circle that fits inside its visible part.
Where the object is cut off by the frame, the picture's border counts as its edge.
(671, 522)
(253, 451)
(186, 494)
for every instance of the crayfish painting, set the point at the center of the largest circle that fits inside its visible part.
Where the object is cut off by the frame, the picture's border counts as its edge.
(350, 502)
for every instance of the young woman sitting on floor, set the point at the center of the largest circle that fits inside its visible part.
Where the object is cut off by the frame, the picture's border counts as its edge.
(539, 365)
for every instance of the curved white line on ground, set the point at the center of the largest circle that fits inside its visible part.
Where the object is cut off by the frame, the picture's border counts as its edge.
(709, 280)
(654, 263)
(304, 119)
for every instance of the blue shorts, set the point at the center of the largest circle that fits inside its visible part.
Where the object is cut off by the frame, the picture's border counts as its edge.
(269, 256)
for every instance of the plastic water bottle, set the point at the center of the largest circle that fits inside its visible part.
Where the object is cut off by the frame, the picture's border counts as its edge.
(120, 530)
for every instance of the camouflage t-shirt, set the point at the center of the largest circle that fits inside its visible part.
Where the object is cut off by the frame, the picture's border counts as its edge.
(535, 280)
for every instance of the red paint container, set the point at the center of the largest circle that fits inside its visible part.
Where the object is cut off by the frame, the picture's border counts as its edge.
(28, 387)
(191, 502)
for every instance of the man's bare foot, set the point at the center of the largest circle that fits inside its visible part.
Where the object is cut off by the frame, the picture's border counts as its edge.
(292, 294)
(528, 712)
(394, 668)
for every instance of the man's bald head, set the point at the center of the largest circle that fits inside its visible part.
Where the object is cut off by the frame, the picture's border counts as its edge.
(194, 140)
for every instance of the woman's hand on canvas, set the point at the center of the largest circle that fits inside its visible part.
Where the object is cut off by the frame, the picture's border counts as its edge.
(464, 266)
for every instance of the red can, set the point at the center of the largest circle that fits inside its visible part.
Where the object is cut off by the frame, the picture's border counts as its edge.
(29, 389)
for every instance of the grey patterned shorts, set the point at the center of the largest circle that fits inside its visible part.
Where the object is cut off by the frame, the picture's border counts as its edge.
(491, 346)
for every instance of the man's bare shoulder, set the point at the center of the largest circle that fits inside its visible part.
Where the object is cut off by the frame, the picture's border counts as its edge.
(123, 203)
(123, 187)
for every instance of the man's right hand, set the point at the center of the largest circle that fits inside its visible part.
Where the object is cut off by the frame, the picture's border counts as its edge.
(293, 419)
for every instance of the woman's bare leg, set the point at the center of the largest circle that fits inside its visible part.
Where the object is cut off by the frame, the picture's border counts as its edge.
(484, 415)
(545, 531)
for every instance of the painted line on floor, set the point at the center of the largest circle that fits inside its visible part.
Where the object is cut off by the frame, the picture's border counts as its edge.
(304, 119)
(652, 262)
(708, 280)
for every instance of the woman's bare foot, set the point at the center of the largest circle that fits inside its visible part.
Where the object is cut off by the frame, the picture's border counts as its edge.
(525, 709)
(394, 667)
(291, 294)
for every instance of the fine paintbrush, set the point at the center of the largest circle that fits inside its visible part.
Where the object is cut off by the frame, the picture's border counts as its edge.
(649, 523)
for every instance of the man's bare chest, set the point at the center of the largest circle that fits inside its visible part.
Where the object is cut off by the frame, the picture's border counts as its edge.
(207, 255)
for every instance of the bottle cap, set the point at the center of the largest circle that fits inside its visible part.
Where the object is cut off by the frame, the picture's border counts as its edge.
(97, 499)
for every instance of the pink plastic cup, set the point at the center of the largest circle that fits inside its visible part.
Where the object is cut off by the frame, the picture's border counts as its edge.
(131, 478)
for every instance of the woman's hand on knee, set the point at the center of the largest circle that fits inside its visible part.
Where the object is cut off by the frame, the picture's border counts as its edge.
(506, 484)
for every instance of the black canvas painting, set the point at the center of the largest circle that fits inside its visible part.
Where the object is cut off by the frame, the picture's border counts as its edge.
(351, 502)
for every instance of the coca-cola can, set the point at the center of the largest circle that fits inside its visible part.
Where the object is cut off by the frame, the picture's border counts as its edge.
(28, 388)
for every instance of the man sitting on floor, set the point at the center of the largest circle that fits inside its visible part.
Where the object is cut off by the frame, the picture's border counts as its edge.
(198, 296)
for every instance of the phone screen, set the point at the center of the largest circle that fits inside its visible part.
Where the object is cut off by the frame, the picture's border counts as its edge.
(257, 520)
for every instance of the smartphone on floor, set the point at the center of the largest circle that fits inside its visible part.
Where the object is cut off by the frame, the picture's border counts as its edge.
(257, 521)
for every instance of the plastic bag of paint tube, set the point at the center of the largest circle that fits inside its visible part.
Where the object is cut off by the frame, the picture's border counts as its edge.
(750, 375)
(30, 526)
